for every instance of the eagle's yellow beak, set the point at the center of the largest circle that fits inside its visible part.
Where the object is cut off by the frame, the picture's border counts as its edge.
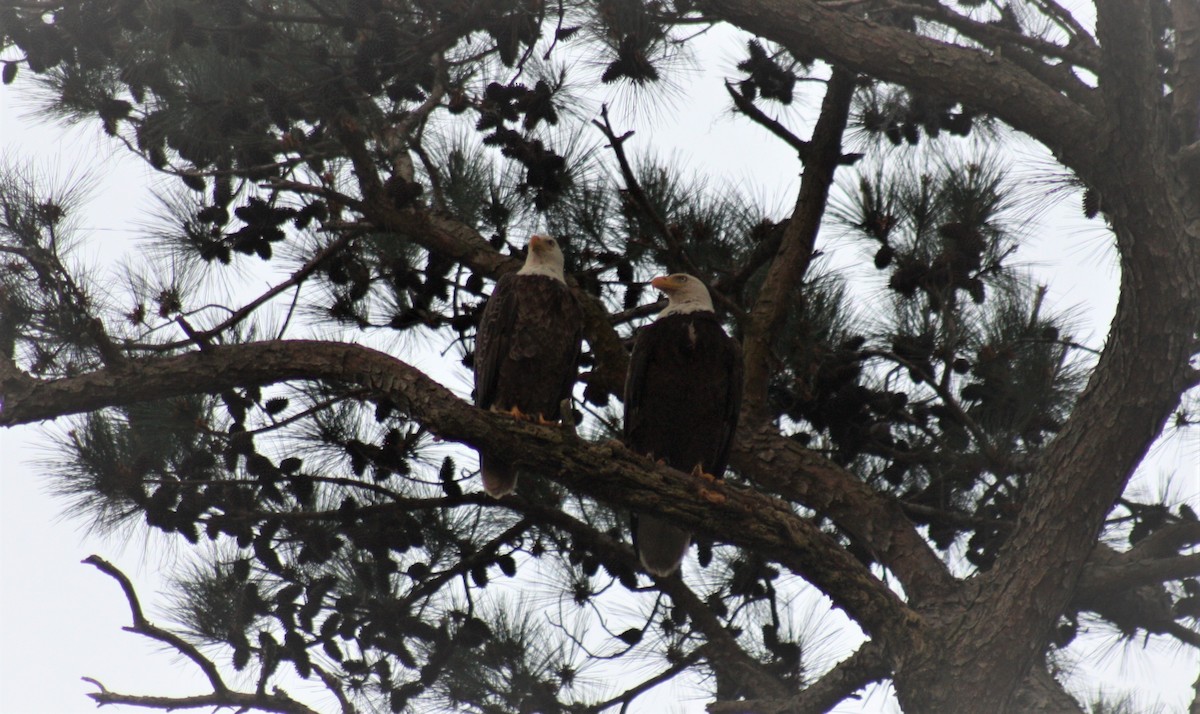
(537, 243)
(664, 283)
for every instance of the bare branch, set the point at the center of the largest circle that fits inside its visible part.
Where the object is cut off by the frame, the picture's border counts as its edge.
(866, 666)
(221, 695)
(748, 108)
(1132, 573)
(634, 190)
(144, 627)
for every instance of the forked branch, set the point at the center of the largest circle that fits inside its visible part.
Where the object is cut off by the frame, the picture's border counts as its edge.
(221, 696)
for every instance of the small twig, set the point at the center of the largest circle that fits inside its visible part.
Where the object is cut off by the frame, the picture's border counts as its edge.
(633, 313)
(241, 313)
(626, 698)
(332, 683)
(747, 107)
(670, 238)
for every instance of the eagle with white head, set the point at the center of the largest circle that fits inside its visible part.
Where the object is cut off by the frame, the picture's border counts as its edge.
(527, 349)
(683, 392)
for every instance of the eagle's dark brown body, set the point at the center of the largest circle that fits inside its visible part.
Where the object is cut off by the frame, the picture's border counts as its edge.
(682, 397)
(525, 356)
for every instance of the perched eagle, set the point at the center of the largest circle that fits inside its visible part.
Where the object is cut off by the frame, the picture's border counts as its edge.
(527, 348)
(682, 397)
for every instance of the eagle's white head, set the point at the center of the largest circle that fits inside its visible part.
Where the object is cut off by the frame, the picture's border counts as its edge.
(685, 293)
(544, 257)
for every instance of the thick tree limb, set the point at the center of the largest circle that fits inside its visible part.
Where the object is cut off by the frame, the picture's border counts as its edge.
(975, 77)
(1185, 74)
(1041, 693)
(780, 465)
(608, 472)
(1131, 90)
(786, 272)
(1125, 574)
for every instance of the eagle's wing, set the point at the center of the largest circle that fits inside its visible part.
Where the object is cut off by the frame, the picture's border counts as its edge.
(493, 340)
(635, 383)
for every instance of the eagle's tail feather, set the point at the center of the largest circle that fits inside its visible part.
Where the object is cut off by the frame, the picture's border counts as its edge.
(660, 547)
(499, 479)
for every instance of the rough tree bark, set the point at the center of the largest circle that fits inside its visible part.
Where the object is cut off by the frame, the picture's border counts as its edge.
(1117, 139)
(947, 644)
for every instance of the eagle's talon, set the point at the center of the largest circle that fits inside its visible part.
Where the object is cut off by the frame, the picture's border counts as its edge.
(513, 412)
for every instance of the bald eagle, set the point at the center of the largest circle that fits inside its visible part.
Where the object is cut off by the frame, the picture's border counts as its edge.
(682, 396)
(527, 348)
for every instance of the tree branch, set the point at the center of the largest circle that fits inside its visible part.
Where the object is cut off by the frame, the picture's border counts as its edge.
(1132, 91)
(221, 695)
(608, 472)
(786, 272)
(747, 107)
(976, 77)
(780, 465)
(1125, 574)
(142, 626)
(865, 666)
(1185, 74)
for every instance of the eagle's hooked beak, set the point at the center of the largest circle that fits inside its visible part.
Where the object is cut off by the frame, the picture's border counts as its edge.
(665, 283)
(537, 243)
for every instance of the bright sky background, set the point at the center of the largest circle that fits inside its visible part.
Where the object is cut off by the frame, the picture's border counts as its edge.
(61, 620)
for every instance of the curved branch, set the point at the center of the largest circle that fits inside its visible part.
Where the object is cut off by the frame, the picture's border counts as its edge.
(774, 462)
(976, 77)
(221, 696)
(144, 627)
(608, 472)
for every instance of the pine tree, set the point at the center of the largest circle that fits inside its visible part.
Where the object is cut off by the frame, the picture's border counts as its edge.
(919, 422)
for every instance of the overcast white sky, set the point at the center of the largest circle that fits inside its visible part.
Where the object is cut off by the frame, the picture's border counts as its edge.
(61, 620)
